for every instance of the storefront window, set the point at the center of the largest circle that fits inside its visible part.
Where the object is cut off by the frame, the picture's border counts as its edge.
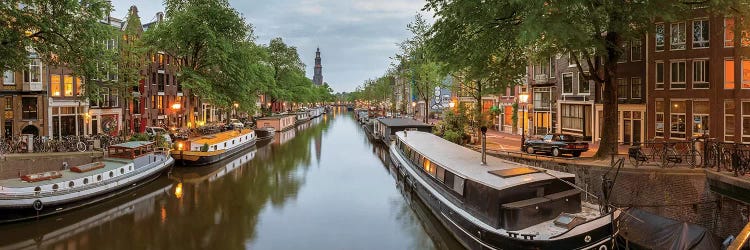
(659, 118)
(700, 117)
(677, 119)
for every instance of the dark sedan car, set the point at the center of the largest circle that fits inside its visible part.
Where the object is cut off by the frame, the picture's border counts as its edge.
(556, 144)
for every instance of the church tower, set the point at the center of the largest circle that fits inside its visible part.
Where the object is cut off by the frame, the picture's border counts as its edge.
(318, 76)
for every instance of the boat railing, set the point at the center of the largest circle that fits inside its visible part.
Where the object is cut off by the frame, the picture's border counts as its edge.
(161, 150)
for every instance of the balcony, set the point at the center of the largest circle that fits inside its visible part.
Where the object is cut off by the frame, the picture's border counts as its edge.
(32, 86)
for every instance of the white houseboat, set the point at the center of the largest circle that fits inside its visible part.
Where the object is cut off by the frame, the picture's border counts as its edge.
(212, 148)
(500, 204)
(127, 166)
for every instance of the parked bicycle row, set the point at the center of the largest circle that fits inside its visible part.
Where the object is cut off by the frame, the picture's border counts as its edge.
(21, 144)
(697, 152)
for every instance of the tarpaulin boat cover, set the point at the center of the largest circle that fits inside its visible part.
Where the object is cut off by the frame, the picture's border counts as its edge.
(643, 230)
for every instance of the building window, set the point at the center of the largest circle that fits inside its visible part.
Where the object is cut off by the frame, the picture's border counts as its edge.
(659, 75)
(115, 98)
(729, 120)
(34, 73)
(635, 88)
(678, 75)
(29, 108)
(542, 100)
(745, 121)
(160, 82)
(745, 74)
(9, 78)
(571, 116)
(55, 85)
(659, 118)
(677, 36)
(567, 83)
(79, 86)
(677, 120)
(622, 88)
(700, 74)
(728, 74)
(552, 67)
(700, 34)
(635, 50)
(105, 97)
(583, 85)
(700, 117)
(68, 85)
(624, 56)
(659, 34)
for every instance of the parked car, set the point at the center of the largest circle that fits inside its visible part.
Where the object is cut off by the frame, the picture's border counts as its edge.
(236, 124)
(556, 144)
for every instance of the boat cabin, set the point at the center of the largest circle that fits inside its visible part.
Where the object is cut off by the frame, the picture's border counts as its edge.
(386, 128)
(222, 141)
(130, 150)
(278, 122)
(502, 194)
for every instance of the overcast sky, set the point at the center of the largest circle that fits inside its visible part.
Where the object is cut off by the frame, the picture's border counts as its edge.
(356, 37)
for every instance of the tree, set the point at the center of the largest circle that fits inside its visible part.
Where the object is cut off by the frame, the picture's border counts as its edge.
(218, 59)
(418, 66)
(58, 31)
(287, 68)
(130, 58)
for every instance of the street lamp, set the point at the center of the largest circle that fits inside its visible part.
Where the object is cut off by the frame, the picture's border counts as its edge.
(523, 98)
(236, 105)
(414, 110)
(452, 104)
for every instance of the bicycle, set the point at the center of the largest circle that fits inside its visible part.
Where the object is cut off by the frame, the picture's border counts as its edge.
(740, 162)
(694, 156)
(670, 158)
(636, 156)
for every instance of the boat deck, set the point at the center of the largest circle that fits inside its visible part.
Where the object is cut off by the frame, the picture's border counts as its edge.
(220, 137)
(467, 163)
(67, 175)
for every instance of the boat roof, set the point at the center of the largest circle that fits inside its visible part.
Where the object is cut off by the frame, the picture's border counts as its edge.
(67, 175)
(133, 144)
(220, 137)
(499, 174)
(274, 117)
(402, 122)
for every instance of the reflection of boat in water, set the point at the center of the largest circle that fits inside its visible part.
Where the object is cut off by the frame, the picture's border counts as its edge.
(284, 136)
(51, 234)
(213, 148)
(499, 205)
(127, 166)
(215, 171)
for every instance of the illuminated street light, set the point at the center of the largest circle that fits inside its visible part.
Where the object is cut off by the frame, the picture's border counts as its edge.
(523, 98)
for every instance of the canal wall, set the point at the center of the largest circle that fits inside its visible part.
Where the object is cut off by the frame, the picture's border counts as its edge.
(15, 165)
(677, 193)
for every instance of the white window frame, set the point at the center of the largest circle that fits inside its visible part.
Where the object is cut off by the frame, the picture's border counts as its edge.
(674, 38)
(572, 79)
(580, 78)
(699, 42)
(663, 37)
(727, 43)
(684, 118)
(35, 62)
(703, 73)
(571, 63)
(729, 116)
(742, 122)
(618, 81)
(672, 81)
(744, 81)
(656, 119)
(115, 96)
(623, 57)
(9, 77)
(656, 76)
(105, 97)
(703, 117)
(552, 61)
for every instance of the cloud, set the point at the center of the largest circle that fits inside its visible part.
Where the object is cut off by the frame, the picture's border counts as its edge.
(356, 37)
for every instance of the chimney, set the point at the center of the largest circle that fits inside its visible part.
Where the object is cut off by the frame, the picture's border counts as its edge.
(159, 16)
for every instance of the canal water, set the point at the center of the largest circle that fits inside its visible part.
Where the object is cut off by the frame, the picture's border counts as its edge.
(323, 185)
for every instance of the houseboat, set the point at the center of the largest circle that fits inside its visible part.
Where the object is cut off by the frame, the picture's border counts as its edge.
(284, 136)
(302, 117)
(384, 129)
(277, 122)
(316, 111)
(265, 133)
(498, 204)
(127, 166)
(212, 148)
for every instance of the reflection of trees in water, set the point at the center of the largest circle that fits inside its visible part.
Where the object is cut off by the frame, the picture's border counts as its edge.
(222, 214)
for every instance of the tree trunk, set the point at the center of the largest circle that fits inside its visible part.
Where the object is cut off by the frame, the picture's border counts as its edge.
(608, 144)
(426, 111)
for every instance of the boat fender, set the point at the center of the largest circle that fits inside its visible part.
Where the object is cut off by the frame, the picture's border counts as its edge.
(38, 205)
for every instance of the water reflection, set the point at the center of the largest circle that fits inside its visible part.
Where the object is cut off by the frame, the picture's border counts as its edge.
(322, 188)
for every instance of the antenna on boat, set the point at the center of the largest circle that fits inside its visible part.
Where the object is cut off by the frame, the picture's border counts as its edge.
(484, 145)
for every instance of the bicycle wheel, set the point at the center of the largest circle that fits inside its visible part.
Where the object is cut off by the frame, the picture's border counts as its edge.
(634, 161)
(726, 161)
(670, 158)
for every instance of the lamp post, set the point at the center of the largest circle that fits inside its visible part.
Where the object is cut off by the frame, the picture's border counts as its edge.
(236, 105)
(176, 107)
(414, 110)
(523, 98)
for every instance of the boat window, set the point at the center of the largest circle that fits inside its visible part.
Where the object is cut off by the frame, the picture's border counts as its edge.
(130, 168)
(440, 173)
(111, 174)
(37, 189)
(55, 187)
(85, 180)
(225, 144)
(448, 179)
(458, 185)
(99, 178)
(71, 184)
(122, 170)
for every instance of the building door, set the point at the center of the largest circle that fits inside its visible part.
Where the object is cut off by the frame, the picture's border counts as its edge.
(628, 131)
(632, 124)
